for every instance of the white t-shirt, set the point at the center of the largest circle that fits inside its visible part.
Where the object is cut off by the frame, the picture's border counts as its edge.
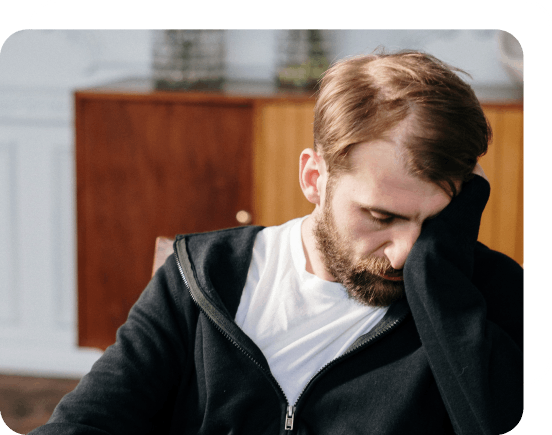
(299, 321)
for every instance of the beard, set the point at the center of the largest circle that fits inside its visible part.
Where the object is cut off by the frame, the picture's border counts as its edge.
(362, 278)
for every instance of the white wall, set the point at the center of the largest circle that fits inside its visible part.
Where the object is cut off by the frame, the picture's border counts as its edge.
(251, 53)
(38, 72)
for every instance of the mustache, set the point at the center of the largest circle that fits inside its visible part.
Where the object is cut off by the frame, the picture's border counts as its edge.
(378, 266)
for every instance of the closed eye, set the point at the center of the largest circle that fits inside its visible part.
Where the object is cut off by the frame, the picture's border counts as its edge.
(380, 218)
(385, 217)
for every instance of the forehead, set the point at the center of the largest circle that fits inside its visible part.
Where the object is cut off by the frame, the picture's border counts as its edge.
(380, 161)
(378, 177)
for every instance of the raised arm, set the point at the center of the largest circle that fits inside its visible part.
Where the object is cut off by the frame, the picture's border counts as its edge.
(467, 305)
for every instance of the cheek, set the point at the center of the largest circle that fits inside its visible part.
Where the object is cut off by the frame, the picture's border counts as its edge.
(348, 221)
(370, 243)
(362, 234)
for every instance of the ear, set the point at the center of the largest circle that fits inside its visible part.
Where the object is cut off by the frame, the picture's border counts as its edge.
(312, 175)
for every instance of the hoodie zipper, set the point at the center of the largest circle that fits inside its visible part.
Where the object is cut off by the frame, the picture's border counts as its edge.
(228, 336)
(290, 409)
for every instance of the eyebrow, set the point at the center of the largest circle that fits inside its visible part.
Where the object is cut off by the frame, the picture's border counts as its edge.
(393, 214)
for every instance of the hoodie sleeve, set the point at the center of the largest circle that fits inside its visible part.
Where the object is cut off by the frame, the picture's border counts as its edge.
(466, 301)
(127, 388)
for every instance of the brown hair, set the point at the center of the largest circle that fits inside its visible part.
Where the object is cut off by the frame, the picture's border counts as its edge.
(362, 98)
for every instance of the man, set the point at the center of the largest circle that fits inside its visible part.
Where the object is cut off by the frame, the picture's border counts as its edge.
(379, 313)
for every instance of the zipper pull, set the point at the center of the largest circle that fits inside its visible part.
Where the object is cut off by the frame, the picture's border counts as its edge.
(290, 416)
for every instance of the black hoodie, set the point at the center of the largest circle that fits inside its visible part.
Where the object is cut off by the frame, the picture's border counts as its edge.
(445, 359)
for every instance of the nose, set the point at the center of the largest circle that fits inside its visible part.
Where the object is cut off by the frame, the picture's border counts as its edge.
(400, 245)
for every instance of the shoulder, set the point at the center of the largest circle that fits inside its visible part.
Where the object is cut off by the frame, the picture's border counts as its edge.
(228, 240)
(218, 261)
(495, 267)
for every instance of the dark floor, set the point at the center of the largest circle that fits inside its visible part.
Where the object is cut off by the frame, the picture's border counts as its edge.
(27, 402)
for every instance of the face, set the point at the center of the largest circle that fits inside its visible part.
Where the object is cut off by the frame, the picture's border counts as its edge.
(368, 220)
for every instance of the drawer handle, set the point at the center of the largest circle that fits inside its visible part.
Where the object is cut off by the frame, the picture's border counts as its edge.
(244, 217)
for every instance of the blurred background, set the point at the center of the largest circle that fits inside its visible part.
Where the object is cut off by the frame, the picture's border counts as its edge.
(243, 92)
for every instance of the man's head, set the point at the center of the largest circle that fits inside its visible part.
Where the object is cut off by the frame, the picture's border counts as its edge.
(363, 98)
(395, 136)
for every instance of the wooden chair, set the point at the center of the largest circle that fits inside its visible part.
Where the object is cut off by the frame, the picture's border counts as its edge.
(163, 248)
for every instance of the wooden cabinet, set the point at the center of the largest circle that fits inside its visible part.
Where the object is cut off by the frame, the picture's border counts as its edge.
(163, 163)
(153, 163)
